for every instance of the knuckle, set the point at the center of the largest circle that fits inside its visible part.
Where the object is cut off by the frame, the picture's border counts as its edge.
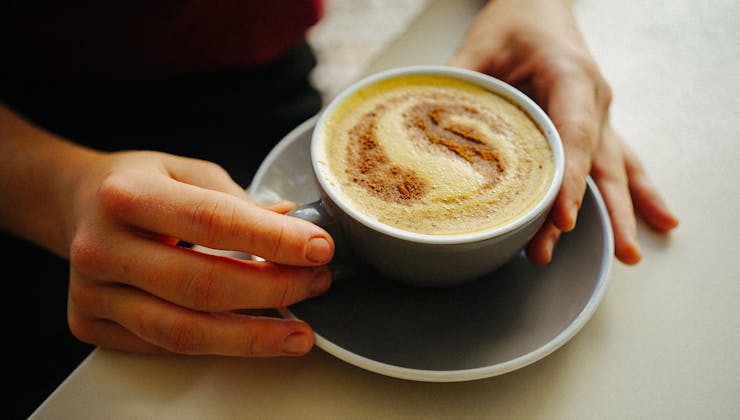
(601, 174)
(599, 170)
(82, 327)
(215, 217)
(260, 341)
(253, 343)
(578, 171)
(579, 65)
(605, 92)
(283, 287)
(82, 296)
(86, 252)
(606, 174)
(116, 194)
(204, 216)
(569, 63)
(294, 285)
(275, 240)
(602, 90)
(579, 132)
(203, 290)
(278, 239)
(287, 292)
(213, 167)
(179, 335)
(579, 61)
(588, 65)
(280, 291)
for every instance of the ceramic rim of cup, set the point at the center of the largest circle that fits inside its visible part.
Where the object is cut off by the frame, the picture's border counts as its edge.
(487, 82)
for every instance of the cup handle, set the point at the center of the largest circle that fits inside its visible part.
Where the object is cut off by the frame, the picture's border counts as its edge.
(344, 264)
(313, 212)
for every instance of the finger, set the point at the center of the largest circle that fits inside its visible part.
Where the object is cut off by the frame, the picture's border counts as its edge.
(578, 111)
(648, 201)
(471, 59)
(212, 176)
(193, 279)
(179, 330)
(479, 50)
(83, 308)
(540, 249)
(282, 206)
(108, 334)
(463, 58)
(577, 153)
(203, 174)
(213, 219)
(611, 177)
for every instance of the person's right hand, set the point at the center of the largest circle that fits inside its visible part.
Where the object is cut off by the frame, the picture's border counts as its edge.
(133, 288)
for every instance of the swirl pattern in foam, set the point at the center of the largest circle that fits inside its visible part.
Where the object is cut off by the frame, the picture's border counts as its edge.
(434, 155)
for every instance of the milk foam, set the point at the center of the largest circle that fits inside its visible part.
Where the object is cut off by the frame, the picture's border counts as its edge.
(435, 155)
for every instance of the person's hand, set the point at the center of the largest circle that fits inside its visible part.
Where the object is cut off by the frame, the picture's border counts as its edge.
(536, 45)
(133, 288)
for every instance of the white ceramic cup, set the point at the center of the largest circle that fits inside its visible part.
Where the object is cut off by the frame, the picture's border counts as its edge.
(422, 259)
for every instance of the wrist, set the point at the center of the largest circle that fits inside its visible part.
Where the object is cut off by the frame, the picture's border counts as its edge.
(38, 176)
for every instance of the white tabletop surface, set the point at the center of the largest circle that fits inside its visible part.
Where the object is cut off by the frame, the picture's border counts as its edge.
(665, 342)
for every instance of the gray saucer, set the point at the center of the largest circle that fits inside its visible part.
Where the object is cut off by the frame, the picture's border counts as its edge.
(509, 319)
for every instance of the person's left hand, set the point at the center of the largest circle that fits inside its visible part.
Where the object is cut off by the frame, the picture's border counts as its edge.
(551, 63)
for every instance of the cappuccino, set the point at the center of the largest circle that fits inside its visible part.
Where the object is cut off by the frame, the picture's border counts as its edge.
(435, 155)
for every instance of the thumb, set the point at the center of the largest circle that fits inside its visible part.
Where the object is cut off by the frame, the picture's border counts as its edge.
(204, 174)
(465, 59)
(282, 206)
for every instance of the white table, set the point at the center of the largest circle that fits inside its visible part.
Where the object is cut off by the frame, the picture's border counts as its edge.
(663, 344)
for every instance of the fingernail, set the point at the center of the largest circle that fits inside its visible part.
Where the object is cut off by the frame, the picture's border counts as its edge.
(573, 215)
(635, 254)
(321, 281)
(296, 343)
(545, 255)
(670, 223)
(318, 250)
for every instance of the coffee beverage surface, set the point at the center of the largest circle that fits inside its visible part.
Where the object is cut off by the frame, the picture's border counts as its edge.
(434, 155)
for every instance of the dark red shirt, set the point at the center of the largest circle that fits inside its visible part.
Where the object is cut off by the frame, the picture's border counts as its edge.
(145, 39)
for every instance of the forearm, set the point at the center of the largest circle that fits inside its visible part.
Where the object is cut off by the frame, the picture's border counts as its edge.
(38, 172)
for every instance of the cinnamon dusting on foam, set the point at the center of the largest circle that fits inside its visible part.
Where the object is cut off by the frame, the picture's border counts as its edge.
(464, 141)
(436, 155)
(380, 177)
